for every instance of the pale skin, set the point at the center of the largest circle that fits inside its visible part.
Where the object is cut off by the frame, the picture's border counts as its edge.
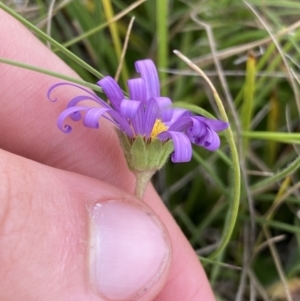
(48, 178)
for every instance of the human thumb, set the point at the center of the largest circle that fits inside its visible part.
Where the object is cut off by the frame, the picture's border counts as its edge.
(64, 236)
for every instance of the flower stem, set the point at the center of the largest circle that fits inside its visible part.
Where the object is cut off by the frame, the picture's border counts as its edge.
(142, 180)
(234, 205)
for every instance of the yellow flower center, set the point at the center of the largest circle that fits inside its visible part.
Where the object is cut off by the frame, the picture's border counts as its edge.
(158, 127)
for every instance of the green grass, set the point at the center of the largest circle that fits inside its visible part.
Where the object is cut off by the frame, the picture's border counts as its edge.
(260, 102)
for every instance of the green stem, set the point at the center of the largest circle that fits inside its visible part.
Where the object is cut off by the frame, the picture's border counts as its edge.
(52, 41)
(271, 135)
(248, 103)
(234, 205)
(280, 175)
(219, 263)
(142, 180)
(51, 73)
(162, 39)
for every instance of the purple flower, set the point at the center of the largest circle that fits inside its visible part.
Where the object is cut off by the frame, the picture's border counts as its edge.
(145, 114)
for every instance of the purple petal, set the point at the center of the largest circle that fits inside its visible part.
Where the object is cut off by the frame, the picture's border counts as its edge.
(112, 91)
(197, 129)
(94, 96)
(183, 123)
(149, 74)
(214, 124)
(128, 108)
(92, 116)
(165, 106)
(182, 146)
(151, 114)
(178, 113)
(137, 89)
(138, 121)
(74, 101)
(64, 114)
(122, 122)
(211, 141)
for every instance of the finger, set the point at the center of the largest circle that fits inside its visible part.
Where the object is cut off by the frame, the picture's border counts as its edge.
(28, 118)
(29, 130)
(69, 237)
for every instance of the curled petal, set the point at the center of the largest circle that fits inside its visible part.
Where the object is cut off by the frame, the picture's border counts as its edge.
(128, 108)
(74, 101)
(211, 141)
(197, 129)
(94, 96)
(112, 90)
(92, 116)
(214, 124)
(137, 89)
(149, 74)
(68, 112)
(165, 106)
(182, 145)
(151, 114)
(76, 116)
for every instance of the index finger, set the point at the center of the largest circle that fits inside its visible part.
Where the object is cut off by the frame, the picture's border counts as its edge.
(28, 127)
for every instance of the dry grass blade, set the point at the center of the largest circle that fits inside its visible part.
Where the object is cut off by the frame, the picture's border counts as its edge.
(124, 49)
(291, 77)
(259, 287)
(277, 263)
(57, 8)
(49, 21)
(281, 198)
(246, 264)
(229, 52)
(265, 244)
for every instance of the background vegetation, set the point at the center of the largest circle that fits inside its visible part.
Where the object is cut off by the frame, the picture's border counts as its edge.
(250, 51)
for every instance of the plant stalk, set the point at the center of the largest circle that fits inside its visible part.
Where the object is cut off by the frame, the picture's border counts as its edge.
(142, 180)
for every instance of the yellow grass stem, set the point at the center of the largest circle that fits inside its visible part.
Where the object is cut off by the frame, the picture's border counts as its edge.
(113, 28)
(248, 104)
